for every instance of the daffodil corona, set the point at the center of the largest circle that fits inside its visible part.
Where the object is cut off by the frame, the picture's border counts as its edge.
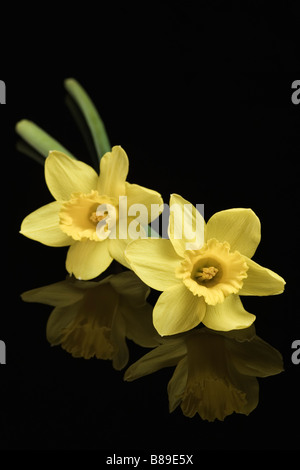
(215, 373)
(204, 285)
(86, 210)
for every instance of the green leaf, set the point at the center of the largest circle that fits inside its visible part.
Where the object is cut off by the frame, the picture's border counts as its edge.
(39, 139)
(91, 116)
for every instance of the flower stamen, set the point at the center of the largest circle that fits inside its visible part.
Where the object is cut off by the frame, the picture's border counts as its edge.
(213, 272)
(206, 274)
(97, 218)
(79, 217)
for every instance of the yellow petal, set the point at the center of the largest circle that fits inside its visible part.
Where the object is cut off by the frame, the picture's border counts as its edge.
(136, 312)
(245, 334)
(113, 173)
(58, 294)
(118, 338)
(255, 357)
(177, 384)
(177, 310)
(60, 318)
(166, 355)
(87, 259)
(121, 356)
(128, 284)
(186, 225)
(228, 315)
(117, 250)
(147, 197)
(250, 386)
(154, 261)
(65, 175)
(261, 281)
(42, 225)
(139, 325)
(239, 227)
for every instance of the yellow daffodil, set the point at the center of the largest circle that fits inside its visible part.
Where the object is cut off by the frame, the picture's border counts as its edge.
(215, 373)
(204, 285)
(92, 319)
(73, 219)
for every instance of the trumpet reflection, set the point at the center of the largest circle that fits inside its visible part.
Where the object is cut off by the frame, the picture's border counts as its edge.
(216, 372)
(93, 319)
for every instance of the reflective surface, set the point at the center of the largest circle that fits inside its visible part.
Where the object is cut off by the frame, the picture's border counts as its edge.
(224, 134)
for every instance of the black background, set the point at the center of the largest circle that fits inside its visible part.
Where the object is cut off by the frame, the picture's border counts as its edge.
(199, 96)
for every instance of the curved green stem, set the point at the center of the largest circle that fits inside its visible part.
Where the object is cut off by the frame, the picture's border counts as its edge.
(91, 116)
(39, 139)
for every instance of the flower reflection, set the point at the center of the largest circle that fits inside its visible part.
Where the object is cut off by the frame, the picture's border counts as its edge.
(215, 372)
(93, 318)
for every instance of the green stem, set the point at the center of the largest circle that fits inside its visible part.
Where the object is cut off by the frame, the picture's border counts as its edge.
(91, 115)
(39, 139)
(152, 233)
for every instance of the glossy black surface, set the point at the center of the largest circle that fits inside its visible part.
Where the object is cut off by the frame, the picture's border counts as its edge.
(201, 102)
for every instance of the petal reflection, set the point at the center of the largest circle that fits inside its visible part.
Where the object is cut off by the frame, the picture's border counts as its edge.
(216, 375)
(93, 319)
